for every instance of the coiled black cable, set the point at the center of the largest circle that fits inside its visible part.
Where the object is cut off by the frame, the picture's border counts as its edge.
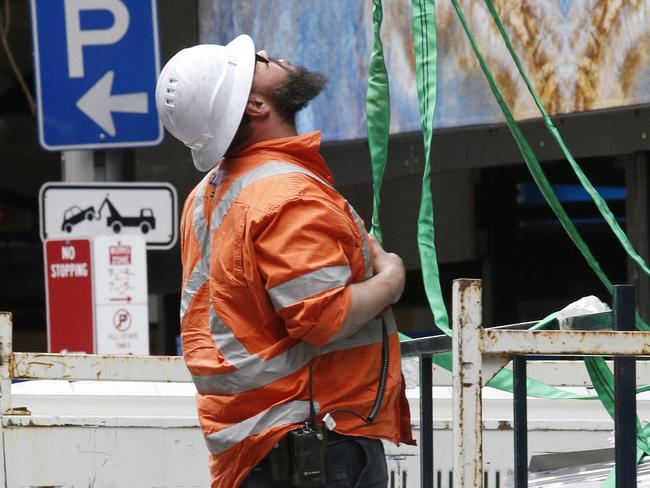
(383, 375)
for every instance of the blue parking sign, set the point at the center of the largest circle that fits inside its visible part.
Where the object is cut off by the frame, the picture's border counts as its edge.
(96, 67)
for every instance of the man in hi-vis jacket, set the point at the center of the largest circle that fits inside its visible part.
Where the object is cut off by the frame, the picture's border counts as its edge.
(283, 290)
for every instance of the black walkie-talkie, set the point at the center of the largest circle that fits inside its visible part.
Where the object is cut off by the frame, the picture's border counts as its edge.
(308, 456)
(308, 444)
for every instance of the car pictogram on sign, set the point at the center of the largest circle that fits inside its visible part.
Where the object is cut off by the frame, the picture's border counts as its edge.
(75, 215)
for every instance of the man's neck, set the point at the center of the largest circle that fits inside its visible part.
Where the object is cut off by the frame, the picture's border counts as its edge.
(274, 132)
(265, 132)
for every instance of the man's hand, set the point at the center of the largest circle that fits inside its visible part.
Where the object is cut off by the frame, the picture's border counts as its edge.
(390, 265)
(371, 298)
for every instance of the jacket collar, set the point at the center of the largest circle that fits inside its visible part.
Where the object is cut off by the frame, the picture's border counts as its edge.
(302, 150)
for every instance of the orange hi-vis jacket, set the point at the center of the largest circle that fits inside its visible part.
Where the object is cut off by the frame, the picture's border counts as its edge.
(268, 247)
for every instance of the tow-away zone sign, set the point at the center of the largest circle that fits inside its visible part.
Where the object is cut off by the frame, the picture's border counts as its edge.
(87, 210)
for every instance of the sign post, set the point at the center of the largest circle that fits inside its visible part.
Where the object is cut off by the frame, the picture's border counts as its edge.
(69, 289)
(96, 65)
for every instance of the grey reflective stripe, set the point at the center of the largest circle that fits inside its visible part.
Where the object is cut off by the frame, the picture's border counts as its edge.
(233, 350)
(367, 269)
(369, 333)
(229, 346)
(309, 285)
(272, 168)
(255, 372)
(194, 281)
(286, 414)
(199, 274)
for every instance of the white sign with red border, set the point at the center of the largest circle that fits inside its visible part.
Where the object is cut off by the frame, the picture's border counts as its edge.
(121, 308)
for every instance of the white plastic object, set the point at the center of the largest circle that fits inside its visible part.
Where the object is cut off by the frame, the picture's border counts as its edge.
(329, 421)
(585, 306)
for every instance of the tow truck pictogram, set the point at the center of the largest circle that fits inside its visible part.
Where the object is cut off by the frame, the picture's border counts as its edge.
(75, 215)
(146, 221)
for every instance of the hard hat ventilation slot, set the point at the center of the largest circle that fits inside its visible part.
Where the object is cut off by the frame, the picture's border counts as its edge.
(173, 81)
(169, 102)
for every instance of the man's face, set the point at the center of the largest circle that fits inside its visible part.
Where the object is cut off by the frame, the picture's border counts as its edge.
(269, 72)
(290, 88)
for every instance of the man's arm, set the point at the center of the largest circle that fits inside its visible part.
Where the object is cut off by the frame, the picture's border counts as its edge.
(371, 297)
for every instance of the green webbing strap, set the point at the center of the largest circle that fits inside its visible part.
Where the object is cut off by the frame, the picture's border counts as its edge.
(598, 200)
(503, 380)
(602, 379)
(378, 126)
(601, 376)
(377, 115)
(378, 121)
(424, 33)
(531, 161)
(426, 73)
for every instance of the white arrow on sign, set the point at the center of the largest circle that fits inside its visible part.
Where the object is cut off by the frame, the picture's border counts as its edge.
(98, 103)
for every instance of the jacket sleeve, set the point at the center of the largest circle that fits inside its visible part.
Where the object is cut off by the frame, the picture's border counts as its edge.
(302, 251)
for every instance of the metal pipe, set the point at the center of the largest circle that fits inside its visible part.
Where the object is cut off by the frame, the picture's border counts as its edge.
(426, 421)
(564, 343)
(624, 393)
(77, 166)
(6, 351)
(114, 165)
(520, 417)
(467, 379)
(442, 343)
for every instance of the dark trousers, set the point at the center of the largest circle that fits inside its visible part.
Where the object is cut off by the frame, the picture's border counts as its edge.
(355, 462)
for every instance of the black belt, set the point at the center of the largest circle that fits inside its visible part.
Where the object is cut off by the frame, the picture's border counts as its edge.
(333, 438)
(336, 438)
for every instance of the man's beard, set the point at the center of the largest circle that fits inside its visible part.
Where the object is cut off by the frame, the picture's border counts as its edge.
(299, 88)
(243, 132)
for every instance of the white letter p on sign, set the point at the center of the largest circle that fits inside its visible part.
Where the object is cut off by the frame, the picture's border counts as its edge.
(77, 38)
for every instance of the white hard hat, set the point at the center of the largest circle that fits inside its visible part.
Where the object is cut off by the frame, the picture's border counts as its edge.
(201, 95)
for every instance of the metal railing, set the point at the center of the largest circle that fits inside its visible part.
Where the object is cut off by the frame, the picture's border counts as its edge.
(74, 367)
(478, 354)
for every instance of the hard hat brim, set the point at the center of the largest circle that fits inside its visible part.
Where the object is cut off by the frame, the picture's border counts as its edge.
(242, 51)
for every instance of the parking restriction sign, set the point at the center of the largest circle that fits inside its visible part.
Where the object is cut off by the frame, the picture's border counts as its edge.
(69, 290)
(121, 308)
(96, 64)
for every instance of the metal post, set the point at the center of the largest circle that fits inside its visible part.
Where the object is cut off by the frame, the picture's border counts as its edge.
(426, 421)
(114, 165)
(467, 384)
(520, 415)
(6, 350)
(624, 393)
(78, 166)
(637, 224)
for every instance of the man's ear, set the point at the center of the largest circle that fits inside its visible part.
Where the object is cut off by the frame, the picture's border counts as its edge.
(257, 107)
